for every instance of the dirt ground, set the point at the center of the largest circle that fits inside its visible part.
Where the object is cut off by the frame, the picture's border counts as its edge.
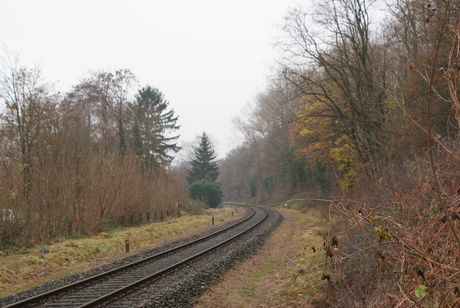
(280, 275)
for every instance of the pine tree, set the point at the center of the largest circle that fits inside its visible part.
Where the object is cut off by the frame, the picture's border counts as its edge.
(152, 124)
(204, 165)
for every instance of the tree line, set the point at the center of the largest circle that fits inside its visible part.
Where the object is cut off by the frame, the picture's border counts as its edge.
(348, 101)
(364, 110)
(72, 163)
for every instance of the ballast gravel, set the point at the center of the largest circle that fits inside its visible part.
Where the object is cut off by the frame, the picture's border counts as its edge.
(181, 288)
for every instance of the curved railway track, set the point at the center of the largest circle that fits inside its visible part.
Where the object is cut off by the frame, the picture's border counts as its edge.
(106, 287)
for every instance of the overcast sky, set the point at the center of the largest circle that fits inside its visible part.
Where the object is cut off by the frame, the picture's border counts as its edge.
(209, 57)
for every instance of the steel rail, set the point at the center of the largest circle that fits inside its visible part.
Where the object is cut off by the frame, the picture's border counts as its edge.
(171, 268)
(44, 296)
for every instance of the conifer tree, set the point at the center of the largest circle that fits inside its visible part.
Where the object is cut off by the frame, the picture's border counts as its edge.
(153, 125)
(204, 165)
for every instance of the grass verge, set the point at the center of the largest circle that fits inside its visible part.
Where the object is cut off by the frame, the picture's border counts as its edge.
(24, 269)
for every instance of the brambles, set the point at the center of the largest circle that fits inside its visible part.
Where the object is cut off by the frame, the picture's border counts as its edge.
(397, 246)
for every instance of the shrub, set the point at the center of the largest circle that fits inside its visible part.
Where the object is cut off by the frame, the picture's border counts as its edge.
(207, 192)
(195, 207)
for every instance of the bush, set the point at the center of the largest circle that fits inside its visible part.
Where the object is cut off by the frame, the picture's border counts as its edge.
(207, 192)
(195, 207)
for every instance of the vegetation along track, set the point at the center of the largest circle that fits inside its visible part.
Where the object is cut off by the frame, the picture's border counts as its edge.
(114, 285)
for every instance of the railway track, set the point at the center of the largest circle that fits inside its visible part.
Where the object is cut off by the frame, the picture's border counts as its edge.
(108, 287)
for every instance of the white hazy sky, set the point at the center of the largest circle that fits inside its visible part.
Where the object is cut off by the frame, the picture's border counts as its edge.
(209, 57)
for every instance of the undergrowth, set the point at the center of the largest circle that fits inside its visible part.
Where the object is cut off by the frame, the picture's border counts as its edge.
(395, 242)
(396, 247)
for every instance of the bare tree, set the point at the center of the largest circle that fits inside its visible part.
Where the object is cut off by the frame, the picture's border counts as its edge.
(104, 98)
(265, 167)
(28, 103)
(333, 63)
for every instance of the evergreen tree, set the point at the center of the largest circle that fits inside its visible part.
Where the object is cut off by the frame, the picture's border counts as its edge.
(204, 165)
(152, 124)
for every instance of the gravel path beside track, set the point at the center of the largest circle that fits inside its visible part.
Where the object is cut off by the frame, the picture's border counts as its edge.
(271, 278)
(180, 289)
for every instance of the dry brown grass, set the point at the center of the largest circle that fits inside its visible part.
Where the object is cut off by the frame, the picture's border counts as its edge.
(24, 269)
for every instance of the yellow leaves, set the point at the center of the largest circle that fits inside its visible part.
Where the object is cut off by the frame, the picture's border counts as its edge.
(311, 134)
(313, 137)
(306, 132)
(344, 155)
